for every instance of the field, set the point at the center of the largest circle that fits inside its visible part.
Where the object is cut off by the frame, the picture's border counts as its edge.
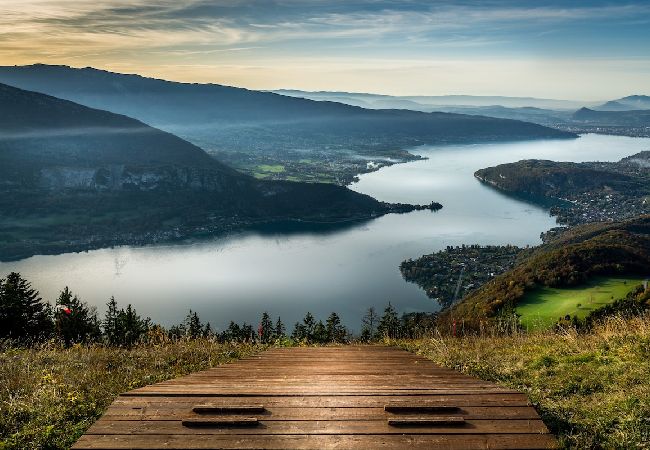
(543, 307)
(50, 396)
(590, 388)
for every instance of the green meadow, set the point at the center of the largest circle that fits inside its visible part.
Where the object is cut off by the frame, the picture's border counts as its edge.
(543, 307)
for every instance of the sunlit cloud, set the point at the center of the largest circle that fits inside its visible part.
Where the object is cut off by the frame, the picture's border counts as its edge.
(288, 40)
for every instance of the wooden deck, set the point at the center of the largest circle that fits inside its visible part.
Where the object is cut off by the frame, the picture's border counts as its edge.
(361, 397)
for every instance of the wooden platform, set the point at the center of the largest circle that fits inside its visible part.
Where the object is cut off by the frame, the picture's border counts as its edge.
(361, 397)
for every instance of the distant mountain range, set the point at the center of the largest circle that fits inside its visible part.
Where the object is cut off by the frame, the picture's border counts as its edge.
(630, 103)
(559, 114)
(432, 102)
(622, 118)
(252, 130)
(73, 177)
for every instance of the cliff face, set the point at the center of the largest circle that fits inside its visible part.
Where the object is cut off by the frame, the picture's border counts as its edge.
(122, 177)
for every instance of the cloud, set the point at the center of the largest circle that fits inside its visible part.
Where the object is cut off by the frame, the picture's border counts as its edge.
(165, 37)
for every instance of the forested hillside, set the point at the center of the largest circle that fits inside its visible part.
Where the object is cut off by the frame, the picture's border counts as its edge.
(572, 258)
(73, 177)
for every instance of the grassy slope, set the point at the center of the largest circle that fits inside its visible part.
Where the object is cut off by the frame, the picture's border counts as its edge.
(620, 249)
(50, 396)
(543, 307)
(592, 390)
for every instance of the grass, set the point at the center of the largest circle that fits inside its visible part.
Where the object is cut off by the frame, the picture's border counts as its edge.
(270, 168)
(541, 308)
(50, 396)
(592, 389)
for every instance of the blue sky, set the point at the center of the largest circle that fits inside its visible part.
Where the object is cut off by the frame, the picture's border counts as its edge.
(580, 50)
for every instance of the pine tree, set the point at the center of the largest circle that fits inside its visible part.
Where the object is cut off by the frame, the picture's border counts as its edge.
(299, 332)
(319, 335)
(280, 331)
(207, 331)
(24, 316)
(309, 322)
(389, 324)
(133, 327)
(369, 325)
(247, 333)
(74, 321)
(124, 327)
(335, 331)
(193, 326)
(266, 329)
(110, 323)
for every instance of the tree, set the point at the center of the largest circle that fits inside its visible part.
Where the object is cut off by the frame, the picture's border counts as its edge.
(369, 325)
(192, 325)
(335, 331)
(247, 333)
(266, 329)
(389, 324)
(280, 331)
(299, 332)
(24, 316)
(319, 335)
(304, 331)
(110, 323)
(133, 326)
(74, 321)
(124, 327)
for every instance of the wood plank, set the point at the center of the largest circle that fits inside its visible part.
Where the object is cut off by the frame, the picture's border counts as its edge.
(287, 427)
(319, 442)
(464, 400)
(368, 397)
(178, 412)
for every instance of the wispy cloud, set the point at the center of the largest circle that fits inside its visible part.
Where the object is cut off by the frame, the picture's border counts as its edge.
(227, 33)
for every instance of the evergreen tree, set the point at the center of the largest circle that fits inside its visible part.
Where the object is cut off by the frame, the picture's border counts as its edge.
(299, 332)
(74, 321)
(193, 326)
(280, 331)
(124, 327)
(369, 325)
(24, 316)
(110, 323)
(232, 333)
(389, 324)
(319, 335)
(304, 331)
(207, 331)
(133, 326)
(335, 331)
(309, 322)
(247, 333)
(266, 329)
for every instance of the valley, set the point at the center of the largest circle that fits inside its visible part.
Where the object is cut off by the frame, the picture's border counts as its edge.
(314, 141)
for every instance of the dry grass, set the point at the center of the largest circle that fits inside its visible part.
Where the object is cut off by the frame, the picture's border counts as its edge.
(50, 396)
(591, 389)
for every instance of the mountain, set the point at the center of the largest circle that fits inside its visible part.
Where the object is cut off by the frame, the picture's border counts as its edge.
(431, 103)
(73, 177)
(630, 103)
(629, 118)
(596, 249)
(252, 131)
(590, 191)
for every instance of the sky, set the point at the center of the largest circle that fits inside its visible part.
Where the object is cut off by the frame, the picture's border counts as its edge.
(582, 50)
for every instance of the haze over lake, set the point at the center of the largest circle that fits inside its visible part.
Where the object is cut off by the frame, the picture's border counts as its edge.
(287, 274)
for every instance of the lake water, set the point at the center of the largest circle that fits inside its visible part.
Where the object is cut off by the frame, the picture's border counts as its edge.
(287, 274)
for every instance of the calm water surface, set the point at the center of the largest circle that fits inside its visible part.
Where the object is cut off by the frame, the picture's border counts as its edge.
(347, 271)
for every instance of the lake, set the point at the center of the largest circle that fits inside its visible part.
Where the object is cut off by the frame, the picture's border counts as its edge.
(348, 270)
